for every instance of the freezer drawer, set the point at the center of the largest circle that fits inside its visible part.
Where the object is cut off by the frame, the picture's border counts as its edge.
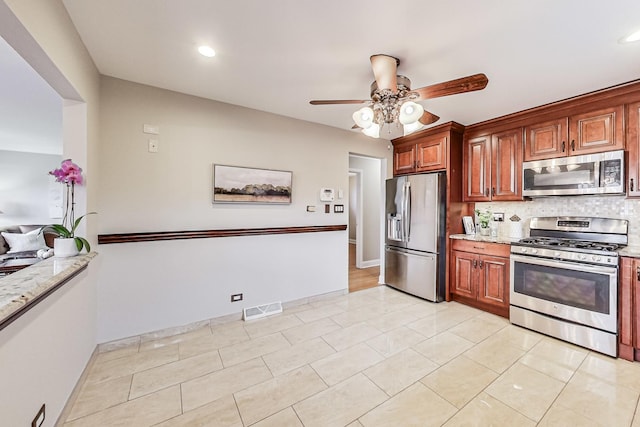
(412, 272)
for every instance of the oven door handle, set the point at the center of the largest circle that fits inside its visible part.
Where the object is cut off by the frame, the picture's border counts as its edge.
(601, 269)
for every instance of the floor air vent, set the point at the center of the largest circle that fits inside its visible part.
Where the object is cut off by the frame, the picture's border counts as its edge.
(259, 311)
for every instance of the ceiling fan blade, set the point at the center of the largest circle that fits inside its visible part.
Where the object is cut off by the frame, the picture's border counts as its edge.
(452, 87)
(385, 69)
(338, 101)
(428, 118)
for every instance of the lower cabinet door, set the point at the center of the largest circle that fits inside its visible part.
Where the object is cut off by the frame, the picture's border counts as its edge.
(464, 274)
(493, 285)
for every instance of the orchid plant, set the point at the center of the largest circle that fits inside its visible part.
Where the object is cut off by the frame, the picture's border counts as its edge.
(69, 174)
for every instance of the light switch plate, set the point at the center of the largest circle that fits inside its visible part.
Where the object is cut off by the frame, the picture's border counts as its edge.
(151, 129)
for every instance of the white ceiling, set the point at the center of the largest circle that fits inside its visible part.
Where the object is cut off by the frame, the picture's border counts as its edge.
(277, 55)
(30, 110)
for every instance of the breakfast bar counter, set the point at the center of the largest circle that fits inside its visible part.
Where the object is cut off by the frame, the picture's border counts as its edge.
(23, 289)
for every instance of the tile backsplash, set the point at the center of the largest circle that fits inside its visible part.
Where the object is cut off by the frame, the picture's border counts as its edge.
(596, 206)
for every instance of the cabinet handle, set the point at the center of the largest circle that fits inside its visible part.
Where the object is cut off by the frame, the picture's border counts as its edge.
(493, 191)
(638, 273)
(475, 263)
(563, 146)
(573, 145)
(631, 184)
(480, 264)
(486, 192)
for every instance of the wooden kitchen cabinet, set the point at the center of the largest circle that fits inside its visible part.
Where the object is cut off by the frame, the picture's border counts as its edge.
(633, 149)
(629, 307)
(492, 166)
(585, 133)
(404, 159)
(425, 154)
(480, 275)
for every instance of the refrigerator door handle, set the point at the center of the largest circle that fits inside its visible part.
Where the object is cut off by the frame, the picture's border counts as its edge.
(407, 211)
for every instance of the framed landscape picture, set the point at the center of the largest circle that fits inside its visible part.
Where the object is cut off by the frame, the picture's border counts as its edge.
(237, 184)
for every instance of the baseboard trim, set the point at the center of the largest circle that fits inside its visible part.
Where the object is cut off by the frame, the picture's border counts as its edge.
(371, 263)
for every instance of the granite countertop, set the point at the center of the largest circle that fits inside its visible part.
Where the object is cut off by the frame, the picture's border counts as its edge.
(630, 251)
(23, 287)
(506, 240)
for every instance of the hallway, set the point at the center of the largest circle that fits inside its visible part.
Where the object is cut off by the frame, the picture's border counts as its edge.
(361, 278)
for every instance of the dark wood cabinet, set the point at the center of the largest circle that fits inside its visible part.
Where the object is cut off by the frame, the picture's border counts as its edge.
(492, 166)
(629, 309)
(425, 154)
(404, 159)
(432, 153)
(546, 140)
(633, 149)
(480, 275)
(585, 133)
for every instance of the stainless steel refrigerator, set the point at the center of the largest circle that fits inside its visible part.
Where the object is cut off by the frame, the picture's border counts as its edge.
(415, 235)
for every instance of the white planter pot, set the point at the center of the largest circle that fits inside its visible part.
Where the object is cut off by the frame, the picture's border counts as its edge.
(484, 231)
(63, 248)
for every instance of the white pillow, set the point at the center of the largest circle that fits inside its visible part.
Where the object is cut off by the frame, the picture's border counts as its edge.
(20, 242)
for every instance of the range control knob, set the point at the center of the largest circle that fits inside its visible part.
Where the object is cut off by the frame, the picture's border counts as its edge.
(523, 250)
(556, 254)
(534, 251)
(596, 258)
(582, 257)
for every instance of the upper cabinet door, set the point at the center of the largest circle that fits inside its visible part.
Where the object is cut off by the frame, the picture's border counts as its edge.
(597, 131)
(546, 140)
(506, 165)
(404, 159)
(633, 148)
(432, 154)
(476, 169)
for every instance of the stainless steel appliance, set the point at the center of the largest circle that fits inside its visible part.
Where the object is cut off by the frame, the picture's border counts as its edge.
(564, 280)
(415, 235)
(601, 173)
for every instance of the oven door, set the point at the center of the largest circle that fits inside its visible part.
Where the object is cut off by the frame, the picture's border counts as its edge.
(580, 293)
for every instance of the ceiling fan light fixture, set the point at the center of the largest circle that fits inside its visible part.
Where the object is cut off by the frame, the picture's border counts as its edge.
(363, 117)
(412, 127)
(410, 112)
(373, 130)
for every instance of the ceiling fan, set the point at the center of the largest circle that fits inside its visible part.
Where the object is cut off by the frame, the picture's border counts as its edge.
(393, 100)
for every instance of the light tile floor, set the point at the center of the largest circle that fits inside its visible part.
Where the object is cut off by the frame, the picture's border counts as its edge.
(376, 357)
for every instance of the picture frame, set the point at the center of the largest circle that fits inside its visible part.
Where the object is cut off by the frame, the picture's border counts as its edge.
(240, 184)
(469, 227)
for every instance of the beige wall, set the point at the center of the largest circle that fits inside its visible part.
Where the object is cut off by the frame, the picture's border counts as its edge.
(150, 286)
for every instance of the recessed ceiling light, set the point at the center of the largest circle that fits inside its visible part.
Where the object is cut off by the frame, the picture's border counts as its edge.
(207, 51)
(633, 37)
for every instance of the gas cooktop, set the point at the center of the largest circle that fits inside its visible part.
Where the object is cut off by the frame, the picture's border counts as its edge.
(585, 245)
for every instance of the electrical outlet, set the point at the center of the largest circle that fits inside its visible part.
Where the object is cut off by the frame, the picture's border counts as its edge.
(236, 297)
(39, 419)
(498, 216)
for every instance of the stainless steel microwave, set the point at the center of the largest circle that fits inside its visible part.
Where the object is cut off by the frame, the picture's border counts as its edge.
(601, 173)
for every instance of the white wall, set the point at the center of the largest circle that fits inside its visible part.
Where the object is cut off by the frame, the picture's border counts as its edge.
(150, 286)
(371, 201)
(43, 353)
(24, 187)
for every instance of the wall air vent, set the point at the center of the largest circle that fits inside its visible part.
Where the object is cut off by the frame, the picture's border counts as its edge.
(259, 311)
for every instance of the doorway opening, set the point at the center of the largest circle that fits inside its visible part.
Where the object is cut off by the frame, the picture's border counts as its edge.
(365, 207)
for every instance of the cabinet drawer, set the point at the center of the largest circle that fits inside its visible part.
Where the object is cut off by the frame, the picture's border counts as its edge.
(481, 248)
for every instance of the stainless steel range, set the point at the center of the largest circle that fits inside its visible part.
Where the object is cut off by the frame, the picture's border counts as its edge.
(564, 280)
